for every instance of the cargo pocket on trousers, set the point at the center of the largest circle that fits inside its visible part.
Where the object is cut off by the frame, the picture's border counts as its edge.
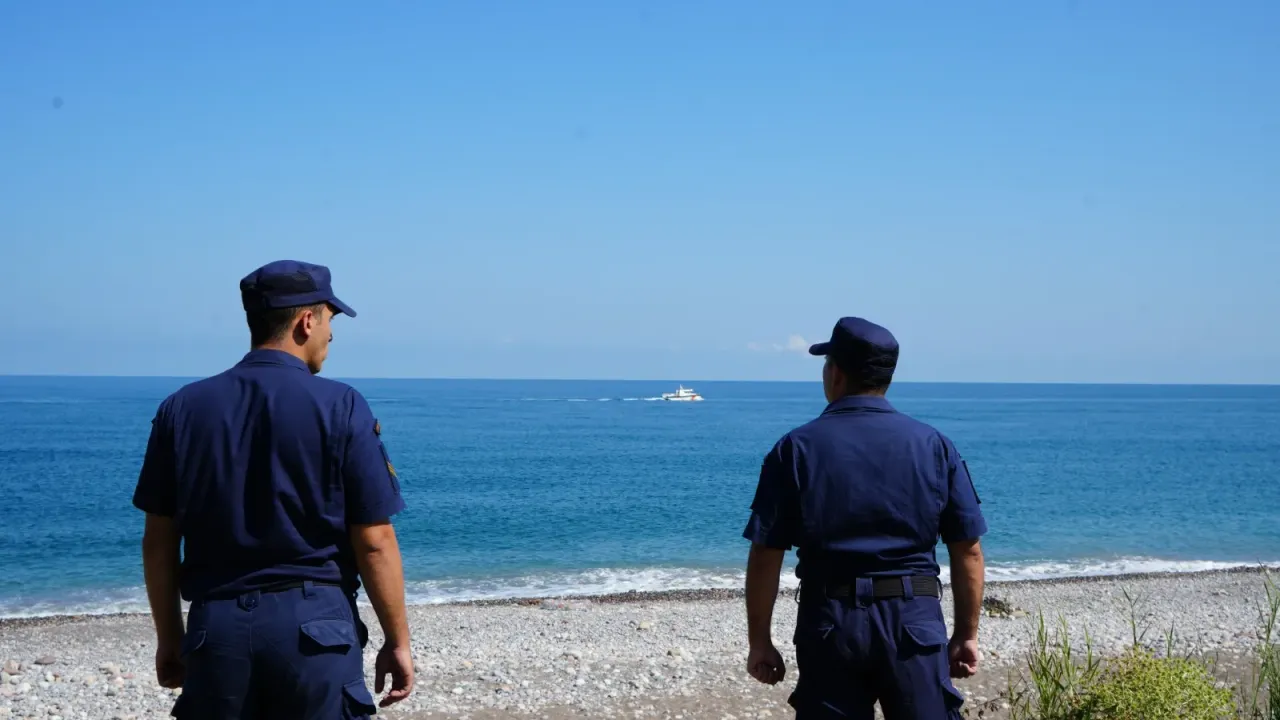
(357, 701)
(327, 636)
(926, 638)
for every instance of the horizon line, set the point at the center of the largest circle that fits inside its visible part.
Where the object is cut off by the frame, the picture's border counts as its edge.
(663, 380)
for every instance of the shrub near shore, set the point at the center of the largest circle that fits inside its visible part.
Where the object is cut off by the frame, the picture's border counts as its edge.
(1061, 683)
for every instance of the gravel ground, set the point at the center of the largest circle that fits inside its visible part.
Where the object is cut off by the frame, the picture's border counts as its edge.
(677, 655)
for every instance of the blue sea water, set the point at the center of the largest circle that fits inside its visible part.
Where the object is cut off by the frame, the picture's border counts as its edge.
(526, 488)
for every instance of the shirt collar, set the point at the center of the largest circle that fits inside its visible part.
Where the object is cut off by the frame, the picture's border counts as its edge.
(273, 357)
(859, 402)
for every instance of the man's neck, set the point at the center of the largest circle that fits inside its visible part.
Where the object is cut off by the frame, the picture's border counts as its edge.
(293, 350)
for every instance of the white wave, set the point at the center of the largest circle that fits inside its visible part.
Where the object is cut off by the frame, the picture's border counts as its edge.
(608, 581)
(603, 581)
(1102, 568)
(82, 602)
(614, 581)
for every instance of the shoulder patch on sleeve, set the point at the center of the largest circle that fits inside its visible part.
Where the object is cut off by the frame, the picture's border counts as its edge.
(972, 484)
(377, 427)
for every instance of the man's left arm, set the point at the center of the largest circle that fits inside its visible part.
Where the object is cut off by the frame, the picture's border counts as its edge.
(156, 495)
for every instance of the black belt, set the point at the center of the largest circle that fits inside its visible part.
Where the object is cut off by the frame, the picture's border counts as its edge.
(890, 587)
(295, 585)
(281, 586)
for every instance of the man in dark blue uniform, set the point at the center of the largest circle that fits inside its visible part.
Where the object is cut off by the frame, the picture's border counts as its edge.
(279, 485)
(864, 492)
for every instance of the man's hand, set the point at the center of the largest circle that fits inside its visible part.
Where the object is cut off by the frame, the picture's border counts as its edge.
(765, 664)
(171, 672)
(964, 656)
(397, 662)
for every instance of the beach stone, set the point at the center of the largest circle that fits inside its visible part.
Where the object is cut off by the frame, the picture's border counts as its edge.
(110, 668)
(5, 678)
(45, 660)
(12, 667)
(646, 625)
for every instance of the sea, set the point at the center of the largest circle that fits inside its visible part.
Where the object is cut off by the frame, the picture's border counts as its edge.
(556, 488)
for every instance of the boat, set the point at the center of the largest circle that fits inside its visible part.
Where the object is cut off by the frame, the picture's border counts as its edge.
(684, 394)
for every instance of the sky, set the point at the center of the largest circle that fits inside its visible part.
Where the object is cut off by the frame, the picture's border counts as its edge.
(1056, 191)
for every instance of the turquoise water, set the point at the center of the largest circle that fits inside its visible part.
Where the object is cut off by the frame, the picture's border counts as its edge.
(522, 488)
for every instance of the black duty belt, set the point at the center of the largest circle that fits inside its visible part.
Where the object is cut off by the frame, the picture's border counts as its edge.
(296, 585)
(281, 586)
(890, 587)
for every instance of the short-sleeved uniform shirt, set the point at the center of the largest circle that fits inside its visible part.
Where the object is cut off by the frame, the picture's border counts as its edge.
(264, 467)
(862, 491)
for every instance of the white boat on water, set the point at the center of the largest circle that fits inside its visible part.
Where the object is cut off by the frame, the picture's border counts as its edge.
(684, 394)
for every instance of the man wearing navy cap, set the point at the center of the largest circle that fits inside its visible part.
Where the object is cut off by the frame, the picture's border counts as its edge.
(279, 485)
(863, 493)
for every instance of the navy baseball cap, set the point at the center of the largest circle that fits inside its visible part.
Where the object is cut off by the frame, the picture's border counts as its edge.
(289, 283)
(860, 346)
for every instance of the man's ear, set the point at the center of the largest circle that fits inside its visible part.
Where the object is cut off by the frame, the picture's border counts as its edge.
(308, 322)
(304, 325)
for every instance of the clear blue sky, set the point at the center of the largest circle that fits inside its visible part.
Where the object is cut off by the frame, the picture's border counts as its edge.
(1037, 191)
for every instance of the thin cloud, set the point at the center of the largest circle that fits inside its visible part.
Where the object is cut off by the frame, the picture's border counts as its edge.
(795, 344)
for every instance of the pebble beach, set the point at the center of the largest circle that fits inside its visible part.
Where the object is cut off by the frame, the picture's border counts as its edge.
(676, 654)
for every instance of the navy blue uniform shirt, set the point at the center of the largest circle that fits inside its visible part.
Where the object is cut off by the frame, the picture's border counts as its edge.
(864, 490)
(264, 467)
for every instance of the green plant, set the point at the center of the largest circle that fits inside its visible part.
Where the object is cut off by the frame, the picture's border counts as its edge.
(1267, 671)
(1056, 677)
(1133, 602)
(1059, 683)
(1138, 685)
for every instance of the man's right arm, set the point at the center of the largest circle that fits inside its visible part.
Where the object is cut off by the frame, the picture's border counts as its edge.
(967, 577)
(377, 554)
(372, 497)
(962, 525)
